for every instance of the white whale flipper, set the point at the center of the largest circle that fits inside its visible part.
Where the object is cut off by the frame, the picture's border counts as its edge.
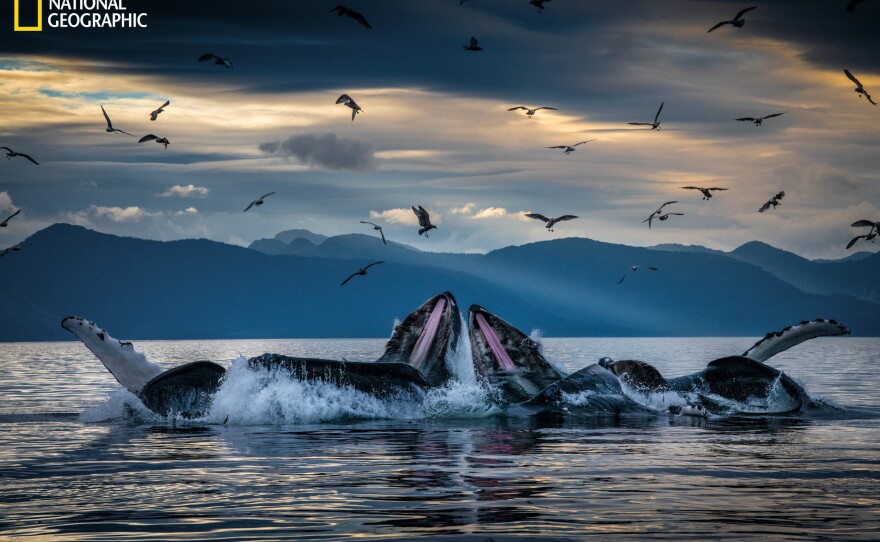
(130, 368)
(779, 341)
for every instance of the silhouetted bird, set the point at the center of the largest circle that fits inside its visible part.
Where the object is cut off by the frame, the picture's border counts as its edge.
(870, 236)
(550, 222)
(657, 213)
(569, 148)
(155, 114)
(636, 268)
(342, 10)
(424, 220)
(361, 271)
(773, 202)
(737, 21)
(259, 201)
(225, 62)
(473, 46)
(851, 7)
(376, 227)
(110, 127)
(10, 154)
(530, 112)
(760, 120)
(860, 90)
(157, 139)
(538, 4)
(8, 218)
(654, 125)
(348, 102)
(707, 192)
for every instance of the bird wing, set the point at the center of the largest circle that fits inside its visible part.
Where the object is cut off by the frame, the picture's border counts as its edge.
(863, 224)
(621, 278)
(344, 99)
(780, 195)
(565, 217)
(106, 116)
(743, 12)
(123, 132)
(657, 116)
(557, 147)
(519, 107)
(474, 41)
(372, 264)
(856, 238)
(422, 214)
(550, 108)
(653, 268)
(868, 96)
(764, 207)
(266, 195)
(10, 217)
(719, 25)
(691, 187)
(641, 123)
(249, 206)
(852, 78)
(370, 223)
(7, 148)
(383, 236)
(354, 113)
(747, 118)
(667, 203)
(348, 279)
(359, 18)
(775, 115)
(29, 158)
(538, 216)
(675, 214)
(582, 142)
(166, 104)
(148, 137)
(207, 56)
(717, 189)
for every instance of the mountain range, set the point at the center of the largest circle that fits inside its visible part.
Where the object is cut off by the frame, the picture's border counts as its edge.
(289, 286)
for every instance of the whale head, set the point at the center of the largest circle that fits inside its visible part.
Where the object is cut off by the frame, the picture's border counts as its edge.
(424, 337)
(507, 358)
(130, 368)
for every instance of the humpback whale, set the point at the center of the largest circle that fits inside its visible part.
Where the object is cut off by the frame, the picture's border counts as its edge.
(414, 359)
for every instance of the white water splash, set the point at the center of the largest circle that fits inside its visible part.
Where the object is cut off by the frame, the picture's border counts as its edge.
(122, 404)
(459, 358)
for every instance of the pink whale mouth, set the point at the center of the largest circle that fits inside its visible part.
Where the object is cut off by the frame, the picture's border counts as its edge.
(426, 337)
(494, 344)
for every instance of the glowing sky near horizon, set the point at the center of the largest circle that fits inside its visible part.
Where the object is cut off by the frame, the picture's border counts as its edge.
(436, 131)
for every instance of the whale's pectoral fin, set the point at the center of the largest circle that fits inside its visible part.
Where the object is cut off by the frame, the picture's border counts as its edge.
(186, 390)
(130, 368)
(779, 341)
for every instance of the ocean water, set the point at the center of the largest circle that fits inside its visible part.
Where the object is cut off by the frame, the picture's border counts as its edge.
(315, 462)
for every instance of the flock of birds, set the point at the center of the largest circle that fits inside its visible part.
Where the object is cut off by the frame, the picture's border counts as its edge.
(423, 216)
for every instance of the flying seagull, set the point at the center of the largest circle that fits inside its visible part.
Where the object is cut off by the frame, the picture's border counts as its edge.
(760, 120)
(870, 236)
(538, 4)
(773, 202)
(424, 220)
(530, 112)
(859, 88)
(473, 46)
(342, 10)
(259, 201)
(569, 148)
(157, 139)
(362, 271)
(376, 227)
(851, 7)
(10, 217)
(659, 214)
(13, 248)
(355, 108)
(636, 268)
(737, 21)
(110, 127)
(654, 125)
(161, 109)
(550, 221)
(10, 154)
(707, 192)
(225, 62)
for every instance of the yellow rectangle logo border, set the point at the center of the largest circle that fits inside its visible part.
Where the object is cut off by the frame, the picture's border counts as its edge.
(38, 28)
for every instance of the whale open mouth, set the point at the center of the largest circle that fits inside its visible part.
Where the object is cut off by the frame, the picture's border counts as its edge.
(508, 358)
(423, 338)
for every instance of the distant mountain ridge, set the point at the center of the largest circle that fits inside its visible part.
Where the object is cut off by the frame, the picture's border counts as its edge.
(199, 289)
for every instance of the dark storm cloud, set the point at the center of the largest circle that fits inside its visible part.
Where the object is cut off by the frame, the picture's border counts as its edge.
(325, 151)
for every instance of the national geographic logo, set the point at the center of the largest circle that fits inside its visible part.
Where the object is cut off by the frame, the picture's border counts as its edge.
(28, 16)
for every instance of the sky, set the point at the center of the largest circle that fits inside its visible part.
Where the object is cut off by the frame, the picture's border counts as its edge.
(435, 130)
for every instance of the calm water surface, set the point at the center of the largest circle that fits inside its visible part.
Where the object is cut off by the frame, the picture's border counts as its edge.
(304, 462)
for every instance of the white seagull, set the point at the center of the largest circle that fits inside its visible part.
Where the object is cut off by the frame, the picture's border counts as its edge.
(348, 102)
(654, 125)
(161, 140)
(569, 148)
(530, 112)
(737, 21)
(550, 222)
(378, 228)
(161, 109)
(636, 268)
(8, 218)
(760, 120)
(707, 192)
(110, 127)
